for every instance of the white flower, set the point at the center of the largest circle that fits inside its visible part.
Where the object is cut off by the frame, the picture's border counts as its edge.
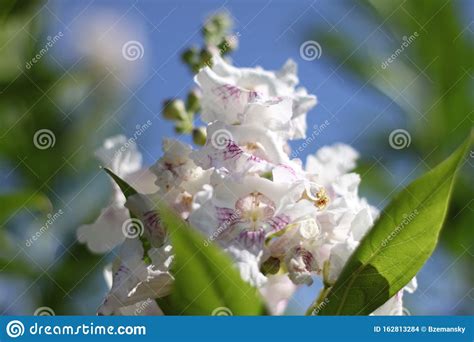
(228, 90)
(347, 215)
(175, 170)
(340, 253)
(330, 162)
(242, 191)
(247, 149)
(247, 261)
(258, 205)
(297, 248)
(123, 158)
(149, 223)
(277, 292)
(246, 212)
(178, 177)
(133, 281)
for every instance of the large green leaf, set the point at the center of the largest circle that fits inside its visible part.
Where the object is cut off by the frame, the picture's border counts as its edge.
(395, 249)
(206, 281)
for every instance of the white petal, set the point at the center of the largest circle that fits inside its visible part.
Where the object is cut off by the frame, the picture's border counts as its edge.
(331, 162)
(106, 232)
(120, 155)
(248, 263)
(276, 293)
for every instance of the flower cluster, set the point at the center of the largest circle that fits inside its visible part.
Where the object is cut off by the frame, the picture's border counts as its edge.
(282, 222)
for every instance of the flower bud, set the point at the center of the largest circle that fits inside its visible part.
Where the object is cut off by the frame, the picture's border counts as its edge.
(184, 126)
(199, 136)
(190, 56)
(174, 110)
(271, 266)
(228, 44)
(206, 57)
(193, 102)
(216, 27)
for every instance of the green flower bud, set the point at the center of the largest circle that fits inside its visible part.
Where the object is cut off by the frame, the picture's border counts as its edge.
(190, 56)
(193, 102)
(184, 127)
(270, 266)
(206, 57)
(199, 136)
(174, 110)
(228, 44)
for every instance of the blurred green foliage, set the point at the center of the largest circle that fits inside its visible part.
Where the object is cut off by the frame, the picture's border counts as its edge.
(34, 98)
(431, 82)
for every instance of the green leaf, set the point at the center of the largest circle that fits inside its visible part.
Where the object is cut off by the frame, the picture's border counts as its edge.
(395, 249)
(13, 203)
(128, 191)
(126, 188)
(206, 281)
